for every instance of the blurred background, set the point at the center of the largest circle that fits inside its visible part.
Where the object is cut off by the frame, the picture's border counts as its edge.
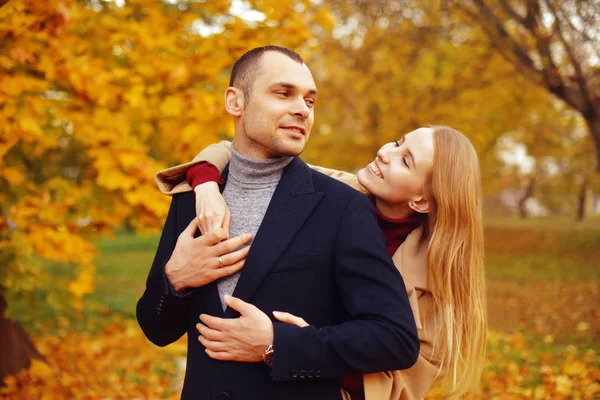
(98, 95)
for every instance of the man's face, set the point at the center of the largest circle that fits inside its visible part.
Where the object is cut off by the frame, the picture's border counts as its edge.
(280, 113)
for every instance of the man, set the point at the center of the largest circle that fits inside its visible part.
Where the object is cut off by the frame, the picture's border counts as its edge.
(306, 258)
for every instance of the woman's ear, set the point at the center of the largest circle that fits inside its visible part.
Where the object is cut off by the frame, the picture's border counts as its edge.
(420, 205)
(234, 101)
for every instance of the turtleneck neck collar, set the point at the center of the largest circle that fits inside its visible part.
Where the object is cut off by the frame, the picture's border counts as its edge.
(252, 172)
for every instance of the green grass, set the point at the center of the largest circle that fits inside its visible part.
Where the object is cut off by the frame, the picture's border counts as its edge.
(544, 251)
(524, 252)
(122, 265)
(539, 267)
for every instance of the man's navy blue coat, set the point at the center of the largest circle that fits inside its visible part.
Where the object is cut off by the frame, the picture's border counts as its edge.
(318, 254)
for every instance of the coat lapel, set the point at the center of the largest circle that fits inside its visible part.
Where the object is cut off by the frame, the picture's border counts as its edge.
(293, 201)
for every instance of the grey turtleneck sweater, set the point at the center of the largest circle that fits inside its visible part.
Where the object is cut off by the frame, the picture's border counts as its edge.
(250, 186)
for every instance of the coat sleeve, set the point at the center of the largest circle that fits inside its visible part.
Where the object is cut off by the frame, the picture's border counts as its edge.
(160, 312)
(172, 180)
(413, 383)
(379, 333)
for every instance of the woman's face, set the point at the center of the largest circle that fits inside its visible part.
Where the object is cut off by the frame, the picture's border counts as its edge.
(398, 174)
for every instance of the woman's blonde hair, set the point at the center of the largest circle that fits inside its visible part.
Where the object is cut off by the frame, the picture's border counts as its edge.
(455, 262)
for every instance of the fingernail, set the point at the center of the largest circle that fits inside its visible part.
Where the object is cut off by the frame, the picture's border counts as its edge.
(277, 313)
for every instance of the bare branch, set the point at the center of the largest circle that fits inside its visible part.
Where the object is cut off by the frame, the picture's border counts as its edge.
(511, 11)
(507, 45)
(580, 78)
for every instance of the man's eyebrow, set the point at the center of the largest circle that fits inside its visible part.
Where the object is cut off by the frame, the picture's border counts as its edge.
(291, 86)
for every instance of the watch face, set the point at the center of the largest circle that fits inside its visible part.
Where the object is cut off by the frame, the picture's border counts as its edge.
(269, 358)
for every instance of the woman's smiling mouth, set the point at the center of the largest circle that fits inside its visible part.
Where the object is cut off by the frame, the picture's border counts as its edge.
(374, 168)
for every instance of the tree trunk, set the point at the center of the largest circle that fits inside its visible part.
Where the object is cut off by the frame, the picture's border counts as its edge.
(528, 193)
(16, 348)
(593, 123)
(585, 199)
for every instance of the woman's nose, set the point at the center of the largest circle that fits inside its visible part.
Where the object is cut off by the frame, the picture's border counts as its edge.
(383, 156)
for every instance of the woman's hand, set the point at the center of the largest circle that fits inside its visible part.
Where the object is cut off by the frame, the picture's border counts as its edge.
(290, 319)
(211, 210)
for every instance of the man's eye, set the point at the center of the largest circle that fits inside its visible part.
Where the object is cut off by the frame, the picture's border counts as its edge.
(282, 94)
(310, 102)
(404, 161)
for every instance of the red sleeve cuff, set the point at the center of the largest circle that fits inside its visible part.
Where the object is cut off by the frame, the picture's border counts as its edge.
(202, 173)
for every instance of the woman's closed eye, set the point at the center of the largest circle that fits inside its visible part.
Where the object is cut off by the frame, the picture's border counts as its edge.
(398, 143)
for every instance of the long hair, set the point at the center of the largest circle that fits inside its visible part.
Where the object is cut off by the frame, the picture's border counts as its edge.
(455, 262)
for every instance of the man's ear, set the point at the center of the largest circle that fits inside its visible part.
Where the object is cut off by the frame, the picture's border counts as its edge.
(419, 204)
(234, 101)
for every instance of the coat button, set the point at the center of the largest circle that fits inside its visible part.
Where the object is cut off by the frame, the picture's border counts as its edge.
(318, 374)
(310, 374)
(294, 373)
(222, 396)
(302, 374)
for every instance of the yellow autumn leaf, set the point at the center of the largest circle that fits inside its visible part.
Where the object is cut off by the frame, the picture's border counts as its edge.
(84, 284)
(325, 18)
(582, 326)
(40, 369)
(563, 385)
(30, 125)
(575, 368)
(13, 176)
(172, 106)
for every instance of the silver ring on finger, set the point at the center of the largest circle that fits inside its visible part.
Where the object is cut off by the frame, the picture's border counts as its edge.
(220, 262)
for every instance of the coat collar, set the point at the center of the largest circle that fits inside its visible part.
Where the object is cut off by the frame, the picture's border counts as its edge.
(411, 259)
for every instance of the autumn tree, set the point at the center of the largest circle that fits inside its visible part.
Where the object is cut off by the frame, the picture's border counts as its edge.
(389, 68)
(554, 43)
(95, 96)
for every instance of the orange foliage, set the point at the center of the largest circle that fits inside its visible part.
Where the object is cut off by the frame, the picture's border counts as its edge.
(117, 363)
(120, 363)
(97, 96)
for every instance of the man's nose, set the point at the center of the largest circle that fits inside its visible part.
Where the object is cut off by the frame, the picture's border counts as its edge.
(300, 109)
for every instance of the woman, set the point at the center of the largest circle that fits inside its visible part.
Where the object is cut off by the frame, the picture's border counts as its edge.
(426, 192)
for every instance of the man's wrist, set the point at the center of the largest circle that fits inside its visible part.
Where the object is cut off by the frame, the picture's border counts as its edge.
(268, 355)
(177, 284)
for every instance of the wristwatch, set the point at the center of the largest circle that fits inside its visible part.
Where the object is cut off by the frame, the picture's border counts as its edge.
(268, 355)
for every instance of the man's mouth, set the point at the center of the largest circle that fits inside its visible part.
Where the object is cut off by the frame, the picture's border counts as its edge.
(374, 168)
(295, 129)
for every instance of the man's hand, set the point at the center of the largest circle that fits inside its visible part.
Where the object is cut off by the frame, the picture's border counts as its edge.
(241, 339)
(195, 261)
(211, 210)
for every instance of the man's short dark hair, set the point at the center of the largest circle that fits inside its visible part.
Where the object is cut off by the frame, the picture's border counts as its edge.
(246, 68)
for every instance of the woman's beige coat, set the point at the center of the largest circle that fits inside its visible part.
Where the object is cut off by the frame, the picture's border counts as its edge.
(410, 259)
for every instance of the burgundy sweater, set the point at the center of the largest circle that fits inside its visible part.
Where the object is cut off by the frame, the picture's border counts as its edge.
(395, 231)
